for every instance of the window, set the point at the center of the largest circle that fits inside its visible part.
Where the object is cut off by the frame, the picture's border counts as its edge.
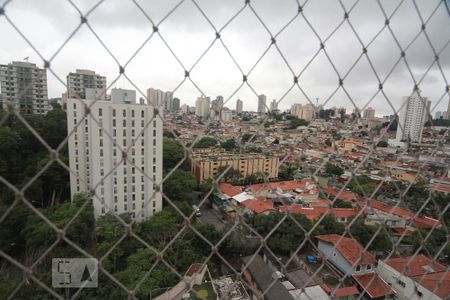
(114, 122)
(100, 112)
(114, 112)
(358, 268)
(419, 293)
(124, 112)
(368, 267)
(142, 113)
(401, 283)
(132, 113)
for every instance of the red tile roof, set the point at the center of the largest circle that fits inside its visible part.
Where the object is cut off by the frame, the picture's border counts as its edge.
(341, 292)
(315, 212)
(259, 205)
(349, 248)
(440, 188)
(341, 195)
(289, 185)
(230, 190)
(373, 285)
(438, 283)
(414, 265)
(418, 221)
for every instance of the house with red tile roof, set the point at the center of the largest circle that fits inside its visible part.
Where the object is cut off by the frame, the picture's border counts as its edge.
(374, 287)
(416, 277)
(341, 293)
(379, 208)
(345, 196)
(342, 214)
(346, 254)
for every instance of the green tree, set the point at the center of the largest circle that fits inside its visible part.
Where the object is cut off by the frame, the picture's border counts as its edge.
(179, 185)
(332, 169)
(229, 144)
(206, 142)
(173, 153)
(328, 225)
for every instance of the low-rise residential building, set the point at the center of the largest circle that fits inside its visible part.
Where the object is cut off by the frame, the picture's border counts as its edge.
(206, 164)
(416, 277)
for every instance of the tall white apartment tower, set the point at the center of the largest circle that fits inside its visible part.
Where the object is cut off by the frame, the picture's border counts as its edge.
(24, 86)
(202, 107)
(369, 113)
(412, 117)
(239, 106)
(78, 82)
(116, 149)
(261, 104)
(273, 105)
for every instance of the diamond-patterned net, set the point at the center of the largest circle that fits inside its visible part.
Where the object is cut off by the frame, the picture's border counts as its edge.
(394, 219)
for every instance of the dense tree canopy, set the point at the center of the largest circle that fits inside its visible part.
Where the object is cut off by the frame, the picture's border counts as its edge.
(205, 142)
(22, 156)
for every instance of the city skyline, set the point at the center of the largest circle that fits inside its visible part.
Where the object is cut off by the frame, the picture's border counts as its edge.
(155, 66)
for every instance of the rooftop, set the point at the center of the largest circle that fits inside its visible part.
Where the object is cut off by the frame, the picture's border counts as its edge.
(349, 248)
(373, 285)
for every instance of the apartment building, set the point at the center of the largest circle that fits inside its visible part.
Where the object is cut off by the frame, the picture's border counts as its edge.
(24, 86)
(205, 163)
(78, 82)
(412, 116)
(117, 150)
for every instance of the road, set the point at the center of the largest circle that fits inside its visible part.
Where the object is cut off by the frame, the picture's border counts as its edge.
(209, 216)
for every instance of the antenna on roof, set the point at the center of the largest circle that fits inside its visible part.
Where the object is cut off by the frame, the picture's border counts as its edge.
(26, 58)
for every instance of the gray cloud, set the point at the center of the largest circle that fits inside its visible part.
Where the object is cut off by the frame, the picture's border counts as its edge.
(123, 28)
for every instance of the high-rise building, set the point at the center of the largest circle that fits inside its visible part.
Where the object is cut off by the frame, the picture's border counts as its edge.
(216, 108)
(202, 107)
(296, 110)
(412, 116)
(305, 112)
(369, 113)
(24, 87)
(273, 105)
(176, 104)
(226, 115)
(239, 106)
(308, 112)
(168, 101)
(261, 104)
(440, 115)
(78, 82)
(448, 110)
(116, 149)
(184, 108)
(155, 97)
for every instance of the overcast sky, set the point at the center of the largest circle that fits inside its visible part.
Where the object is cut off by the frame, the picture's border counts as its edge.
(123, 28)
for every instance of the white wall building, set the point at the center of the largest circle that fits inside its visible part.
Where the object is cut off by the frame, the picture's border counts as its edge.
(369, 113)
(24, 86)
(261, 104)
(273, 105)
(412, 117)
(239, 106)
(202, 107)
(216, 109)
(416, 277)
(78, 82)
(95, 155)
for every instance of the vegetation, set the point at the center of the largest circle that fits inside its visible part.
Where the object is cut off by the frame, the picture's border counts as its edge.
(205, 142)
(128, 261)
(229, 144)
(295, 122)
(22, 156)
(332, 169)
